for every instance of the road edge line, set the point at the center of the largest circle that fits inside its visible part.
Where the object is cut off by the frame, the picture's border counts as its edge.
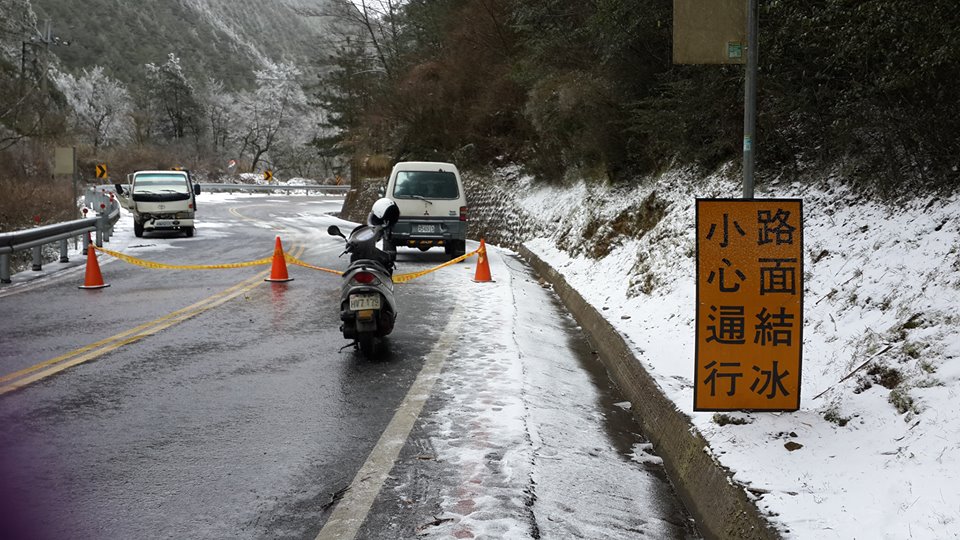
(352, 509)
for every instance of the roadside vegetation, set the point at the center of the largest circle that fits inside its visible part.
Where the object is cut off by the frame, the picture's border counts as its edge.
(589, 87)
(562, 90)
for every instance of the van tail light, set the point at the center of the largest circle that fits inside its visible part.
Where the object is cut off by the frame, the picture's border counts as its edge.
(364, 277)
(190, 206)
(463, 213)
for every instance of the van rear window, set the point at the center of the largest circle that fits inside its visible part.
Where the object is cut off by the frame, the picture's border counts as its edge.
(426, 184)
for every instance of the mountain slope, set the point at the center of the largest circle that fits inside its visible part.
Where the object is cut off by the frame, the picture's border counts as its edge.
(221, 38)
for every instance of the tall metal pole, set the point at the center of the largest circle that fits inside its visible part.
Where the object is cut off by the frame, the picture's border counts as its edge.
(750, 101)
(46, 60)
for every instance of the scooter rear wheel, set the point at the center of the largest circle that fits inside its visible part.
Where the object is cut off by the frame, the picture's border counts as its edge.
(367, 345)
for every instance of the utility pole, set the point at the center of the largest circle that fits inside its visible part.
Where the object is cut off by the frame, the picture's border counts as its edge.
(46, 59)
(46, 39)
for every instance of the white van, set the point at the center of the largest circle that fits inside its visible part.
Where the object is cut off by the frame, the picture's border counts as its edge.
(433, 207)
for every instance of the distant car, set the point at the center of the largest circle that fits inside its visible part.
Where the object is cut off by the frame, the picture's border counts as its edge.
(433, 207)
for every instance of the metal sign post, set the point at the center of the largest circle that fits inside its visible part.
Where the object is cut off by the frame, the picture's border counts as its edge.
(750, 100)
(712, 32)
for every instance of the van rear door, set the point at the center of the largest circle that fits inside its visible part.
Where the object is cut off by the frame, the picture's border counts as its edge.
(427, 193)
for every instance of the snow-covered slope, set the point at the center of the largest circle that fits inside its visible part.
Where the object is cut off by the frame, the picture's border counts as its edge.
(876, 450)
(225, 39)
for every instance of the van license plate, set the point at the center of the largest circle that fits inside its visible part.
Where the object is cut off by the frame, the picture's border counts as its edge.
(425, 229)
(359, 302)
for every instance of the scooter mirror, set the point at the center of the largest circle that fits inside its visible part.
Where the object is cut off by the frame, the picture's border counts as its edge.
(333, 230)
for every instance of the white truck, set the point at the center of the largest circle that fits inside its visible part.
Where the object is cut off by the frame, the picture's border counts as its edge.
(160, 200)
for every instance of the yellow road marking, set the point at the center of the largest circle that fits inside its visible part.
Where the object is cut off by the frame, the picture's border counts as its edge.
(95, 350)
(236, 212)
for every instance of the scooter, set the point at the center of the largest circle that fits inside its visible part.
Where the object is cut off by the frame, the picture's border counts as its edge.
(368, 308)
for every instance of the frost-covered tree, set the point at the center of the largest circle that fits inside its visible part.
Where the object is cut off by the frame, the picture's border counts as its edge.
(172, 94)
(17, 21)
(101, 106)
(220, 112)
(273, 114)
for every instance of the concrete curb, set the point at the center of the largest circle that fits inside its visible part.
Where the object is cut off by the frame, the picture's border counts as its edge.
(721, 508)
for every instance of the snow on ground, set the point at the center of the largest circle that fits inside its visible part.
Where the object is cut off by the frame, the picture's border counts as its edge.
(523, 429)
(880, 450)
(880, 455)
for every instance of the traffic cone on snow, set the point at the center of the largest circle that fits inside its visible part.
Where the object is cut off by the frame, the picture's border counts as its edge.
(483, 265)
(278, 272)
(93, 279)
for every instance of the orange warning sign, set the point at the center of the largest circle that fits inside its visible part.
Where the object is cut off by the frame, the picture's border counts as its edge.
(749, 332)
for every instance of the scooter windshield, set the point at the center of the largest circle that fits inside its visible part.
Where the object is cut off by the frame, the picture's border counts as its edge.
(363, 234)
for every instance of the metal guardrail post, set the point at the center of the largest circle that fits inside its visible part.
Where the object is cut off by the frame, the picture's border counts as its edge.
(37, 258)
(64, 251)
(86, 243)
(5, 268)
(101, 220)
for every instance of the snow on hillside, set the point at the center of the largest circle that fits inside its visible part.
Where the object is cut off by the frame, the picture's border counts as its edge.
(878, 428)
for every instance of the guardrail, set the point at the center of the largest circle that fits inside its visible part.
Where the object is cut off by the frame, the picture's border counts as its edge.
(38, 237)
(271, 188)
(107, 216)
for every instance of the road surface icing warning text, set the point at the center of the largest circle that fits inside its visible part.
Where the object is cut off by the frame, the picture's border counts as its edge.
(749, 332)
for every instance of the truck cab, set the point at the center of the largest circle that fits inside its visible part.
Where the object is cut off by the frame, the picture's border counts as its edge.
(160, 200)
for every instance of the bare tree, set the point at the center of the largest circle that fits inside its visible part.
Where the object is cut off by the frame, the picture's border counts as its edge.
(373, 21)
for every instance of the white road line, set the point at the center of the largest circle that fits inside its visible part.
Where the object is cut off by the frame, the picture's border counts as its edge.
(352, 510)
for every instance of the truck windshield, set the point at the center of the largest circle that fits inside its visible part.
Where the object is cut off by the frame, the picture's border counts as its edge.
(426, 185)
(160, 183)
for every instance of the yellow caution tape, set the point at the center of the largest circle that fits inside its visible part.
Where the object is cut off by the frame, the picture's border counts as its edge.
(293, 260)
(403, 278)
(162, 266)
(399, 278)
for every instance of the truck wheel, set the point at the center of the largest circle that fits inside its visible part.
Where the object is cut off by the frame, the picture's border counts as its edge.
(188, 231)
(137, 228)
(456, 248)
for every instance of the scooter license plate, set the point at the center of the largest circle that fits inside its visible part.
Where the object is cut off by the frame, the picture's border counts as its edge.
(359, 302)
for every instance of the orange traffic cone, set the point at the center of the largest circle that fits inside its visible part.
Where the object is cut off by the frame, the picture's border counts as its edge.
(278, 272)
(483, 265)
(93, 279)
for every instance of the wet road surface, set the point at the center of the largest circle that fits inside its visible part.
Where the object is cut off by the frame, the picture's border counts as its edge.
(243, 421)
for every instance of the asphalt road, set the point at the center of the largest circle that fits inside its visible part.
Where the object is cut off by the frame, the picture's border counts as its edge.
(242, 421)
(238, 418)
